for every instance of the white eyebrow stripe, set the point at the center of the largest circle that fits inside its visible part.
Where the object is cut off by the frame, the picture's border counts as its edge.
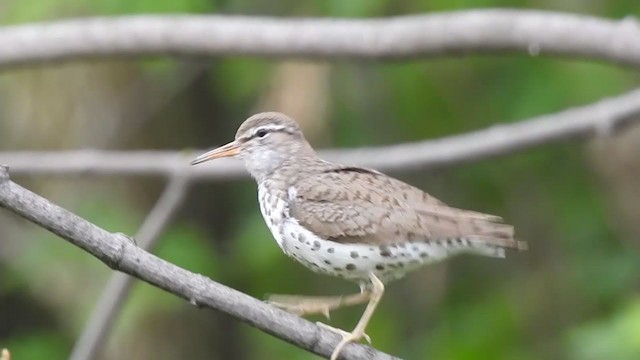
(265, 127)
(269, 128)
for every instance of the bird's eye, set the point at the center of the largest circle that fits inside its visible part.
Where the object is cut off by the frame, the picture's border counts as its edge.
(261, 133)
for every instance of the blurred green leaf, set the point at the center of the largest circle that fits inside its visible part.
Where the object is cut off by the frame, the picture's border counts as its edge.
(44, 345)
(614, 337)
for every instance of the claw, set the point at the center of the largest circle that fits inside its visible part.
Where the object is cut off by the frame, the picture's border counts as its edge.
(347, 337)
(367, 338)
(326, 313)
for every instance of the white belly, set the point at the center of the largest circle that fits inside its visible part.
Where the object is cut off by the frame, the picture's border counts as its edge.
(349, 261)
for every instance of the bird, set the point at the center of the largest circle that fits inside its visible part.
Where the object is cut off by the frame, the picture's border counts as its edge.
(350, 222)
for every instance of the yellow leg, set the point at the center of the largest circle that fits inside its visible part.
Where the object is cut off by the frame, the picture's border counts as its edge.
(308, 305)
(358, 333)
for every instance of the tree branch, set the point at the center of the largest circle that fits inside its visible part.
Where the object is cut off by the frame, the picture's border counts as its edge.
(600, 118)
(120, 253)
(402, 37)
(112, 299)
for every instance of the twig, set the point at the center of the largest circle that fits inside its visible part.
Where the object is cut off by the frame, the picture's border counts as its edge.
(579, 122)
(120, 253)
(402, 37)
(118, 287)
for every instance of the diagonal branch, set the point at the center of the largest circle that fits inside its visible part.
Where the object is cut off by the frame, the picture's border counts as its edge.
(600, 118)
(119, 285)
(120, 253)
(449, 33)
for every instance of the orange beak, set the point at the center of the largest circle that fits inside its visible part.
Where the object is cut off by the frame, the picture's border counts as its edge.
(230, 149)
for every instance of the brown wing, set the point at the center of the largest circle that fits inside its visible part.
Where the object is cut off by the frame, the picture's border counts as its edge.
(350, 204)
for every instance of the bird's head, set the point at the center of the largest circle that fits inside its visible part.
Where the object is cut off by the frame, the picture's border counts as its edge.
(264, 142)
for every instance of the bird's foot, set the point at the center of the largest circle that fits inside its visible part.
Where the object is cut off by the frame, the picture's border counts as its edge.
(347, 337)
(306, 305)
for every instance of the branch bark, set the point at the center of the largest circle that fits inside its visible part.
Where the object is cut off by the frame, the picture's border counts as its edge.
(600, 118)
(402, 37)
(120, 253)
(117, 289)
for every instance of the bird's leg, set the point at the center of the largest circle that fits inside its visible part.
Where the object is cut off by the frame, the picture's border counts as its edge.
(358, 333)
(308, 305)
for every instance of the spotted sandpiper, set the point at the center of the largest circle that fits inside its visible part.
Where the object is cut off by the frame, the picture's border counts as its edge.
(348, 221)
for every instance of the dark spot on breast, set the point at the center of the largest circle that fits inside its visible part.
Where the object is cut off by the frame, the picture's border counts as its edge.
(350, 267)
(384, 251)
(301, 238)
(316, 245)
(423, 254)
(355, 255)
(331, 250)
(380, 267)
(327, 262)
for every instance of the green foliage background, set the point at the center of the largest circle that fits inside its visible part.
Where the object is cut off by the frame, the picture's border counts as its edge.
(574, 295)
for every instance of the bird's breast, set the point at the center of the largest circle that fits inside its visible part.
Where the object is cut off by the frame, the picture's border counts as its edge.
(275, 209)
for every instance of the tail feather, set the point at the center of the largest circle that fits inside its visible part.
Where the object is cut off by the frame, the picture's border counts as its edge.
(504, 243)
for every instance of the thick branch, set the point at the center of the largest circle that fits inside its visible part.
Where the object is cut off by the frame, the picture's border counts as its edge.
(120, 253)
(601, 117)
(112, 299)
(465, 32)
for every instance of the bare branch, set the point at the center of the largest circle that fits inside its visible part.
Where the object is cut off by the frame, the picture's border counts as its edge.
(118, 287)
(601, 118)
(120, 253)
(464, 32)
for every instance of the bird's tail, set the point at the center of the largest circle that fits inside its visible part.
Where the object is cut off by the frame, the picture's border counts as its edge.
(481, 245)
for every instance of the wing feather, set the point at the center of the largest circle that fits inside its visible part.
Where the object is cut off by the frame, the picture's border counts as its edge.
(351, 204)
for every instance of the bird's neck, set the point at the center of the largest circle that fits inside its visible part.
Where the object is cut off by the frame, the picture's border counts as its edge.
(291, 169)
(276, 164)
